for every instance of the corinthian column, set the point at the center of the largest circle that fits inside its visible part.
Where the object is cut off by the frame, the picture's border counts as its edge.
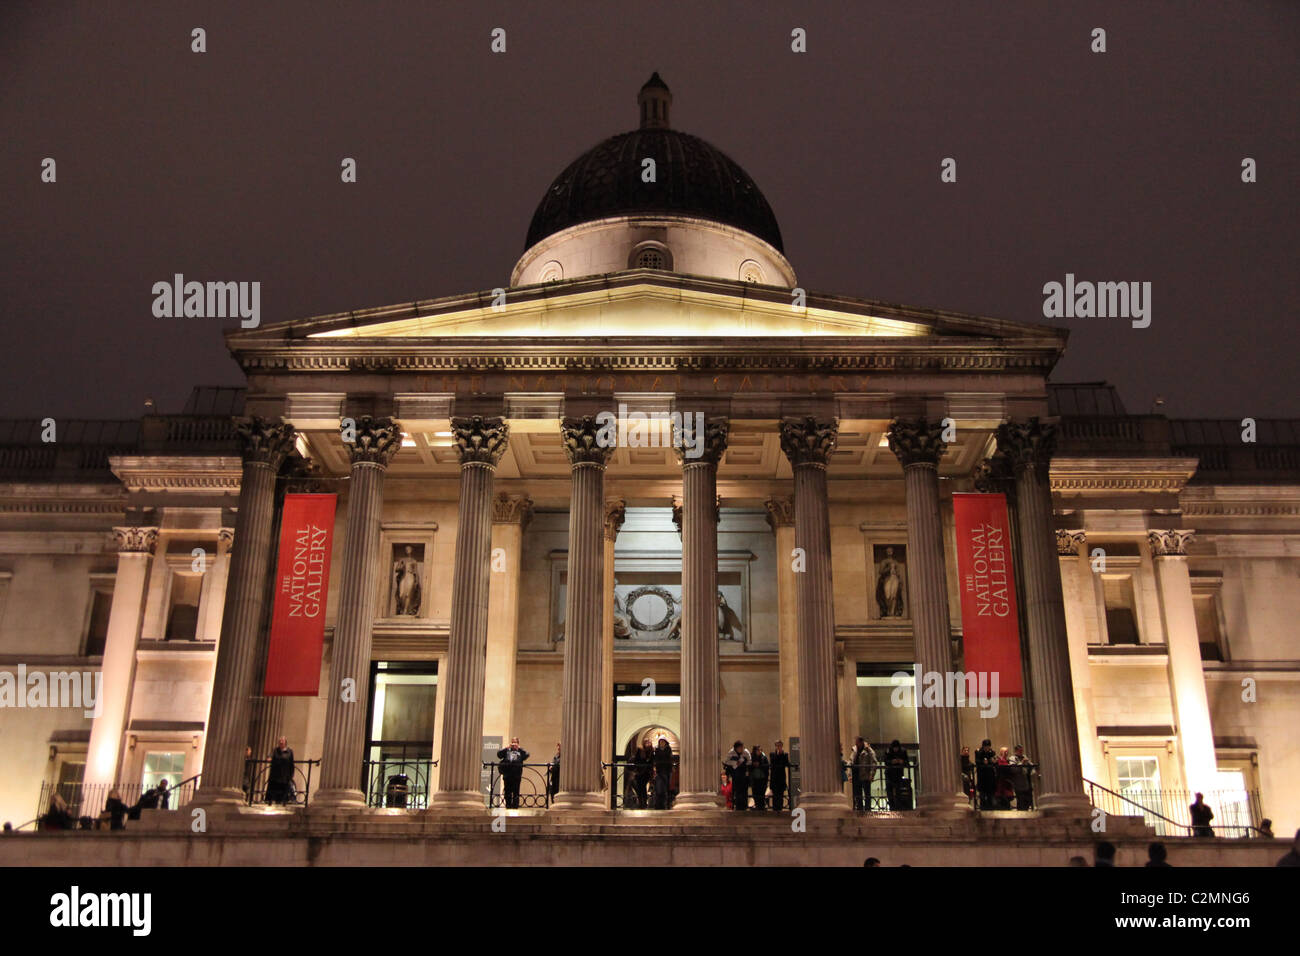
(808, 444)
(615, 514)
(780, 516)
(134, 550)
(375, 443)
(480, 443)
(584, 617)
(510, 516)
(701, 753)
(265, 445)
(1028, 446)
(1186, 675)
(919, 446)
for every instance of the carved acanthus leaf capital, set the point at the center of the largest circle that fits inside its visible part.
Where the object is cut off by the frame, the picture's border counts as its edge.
(132, 540)
(512, 509)
(807, 441)
(265, 442)
(480, 440)
(780, 512)
(1028, 444)
(692, 447)
(615, 513)
(585, 441)
(1168, 544)
(916, 441)
(1068, 541)
(375, 440)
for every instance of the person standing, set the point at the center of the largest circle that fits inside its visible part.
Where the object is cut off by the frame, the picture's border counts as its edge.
(511, 761)
(864, 772)
(759, 768)
(986, 773)
(895, 766)
(642, 770)
(279, 779)
(1021, 768)
(553, 774)
(663, 765)
(738, 763)
(967, 773)
(780, 774)
(1201, 817)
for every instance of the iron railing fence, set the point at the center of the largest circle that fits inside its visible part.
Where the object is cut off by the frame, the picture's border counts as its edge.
(89, 799)
(399, 783)
(536, 787)
(257, 784)
(1237, 813)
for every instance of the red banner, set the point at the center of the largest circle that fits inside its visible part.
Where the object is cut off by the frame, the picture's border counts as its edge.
(990, 629)
(302, 579)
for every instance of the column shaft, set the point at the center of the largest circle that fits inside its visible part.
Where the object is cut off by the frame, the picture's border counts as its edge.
(781, 517)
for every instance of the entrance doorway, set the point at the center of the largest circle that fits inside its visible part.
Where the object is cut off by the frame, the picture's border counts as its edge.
(638, 715)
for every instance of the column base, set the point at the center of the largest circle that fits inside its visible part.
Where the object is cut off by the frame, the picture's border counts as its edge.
(579, 800)
(339, 799)
(458, 800)
(1064, 805)
(223, 797)
(944, 804)
(694, 802)
(834, 802)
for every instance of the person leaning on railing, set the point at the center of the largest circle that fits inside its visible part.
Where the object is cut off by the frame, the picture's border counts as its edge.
(114, 811)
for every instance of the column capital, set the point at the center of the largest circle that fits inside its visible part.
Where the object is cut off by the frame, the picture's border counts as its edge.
(808, 441)
(1068, 541)
(130, 540)
(1169, 544)
(615, 513)
(712, 444)
(780, 511)
(583, 442)
(916, 441)
(265, 442)
(480, 440)
(512, 509)
(1028, 444)
(225, 540)
(376, 440)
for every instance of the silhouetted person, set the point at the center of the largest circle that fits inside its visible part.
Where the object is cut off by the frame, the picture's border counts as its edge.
(1021, 768)
(1078, 861)
(250, 771)
(512, 771)
(1266, 829)
(1104, 854)
(895, 765)
(871, 861)
(759, 768)
(643, 768)
(553, 773)
(738, 764)
(279, 779)
(967, 772)
(1201, 817)
(1157, 855)
(986, 773)
(663, 764)
(864, 771)
(779, 764)
(115, 810)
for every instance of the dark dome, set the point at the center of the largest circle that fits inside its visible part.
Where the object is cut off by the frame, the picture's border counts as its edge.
(693, 179)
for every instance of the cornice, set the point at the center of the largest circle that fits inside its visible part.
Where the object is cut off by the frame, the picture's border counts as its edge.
(1250, 501)
(1137, 475)
(154, 473)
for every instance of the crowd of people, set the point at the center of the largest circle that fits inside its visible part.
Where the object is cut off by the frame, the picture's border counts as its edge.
(996, 777)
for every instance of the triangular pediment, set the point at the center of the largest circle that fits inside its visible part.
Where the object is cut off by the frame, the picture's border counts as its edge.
(647, 304)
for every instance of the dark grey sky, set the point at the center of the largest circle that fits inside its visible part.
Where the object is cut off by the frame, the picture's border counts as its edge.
(225, 165)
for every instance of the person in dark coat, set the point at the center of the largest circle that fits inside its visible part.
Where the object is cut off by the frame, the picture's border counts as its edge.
(779, 764)
(967, 772)
(115, 810)
(863, 762)
(759, 768)
(59, 815)
(250, 771)
(643, 767)
(738, 765)
(553, 773)
(1201, 817)
(512, 761)
(663, 764)
(895, 766)
(1021, 768)
(986, 773)
(1157, 855)
(279, 779)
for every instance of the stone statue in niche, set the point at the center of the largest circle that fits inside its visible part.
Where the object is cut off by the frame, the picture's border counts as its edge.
(622, 627)
(404, 600)
(729, 628)
(891, 571)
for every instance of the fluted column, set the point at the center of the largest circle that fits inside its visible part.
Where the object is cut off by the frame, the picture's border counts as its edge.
(376, 441)
(808, 444)
(211, 607)
(701, 755)
(510, 516)
(780, 516)
(584, 617)
(134, 552)
(1186, 674)
(265, 445)
(615, 513)
(480, 443)
(918, 445)
(1028, 446)
(1076, 592)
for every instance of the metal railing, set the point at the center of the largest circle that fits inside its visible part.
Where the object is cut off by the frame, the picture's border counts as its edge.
(533, 790)
(259, 791)
(632, 786)
(399, 783)
(1003, 795)
(87, 800)
(1237, 813)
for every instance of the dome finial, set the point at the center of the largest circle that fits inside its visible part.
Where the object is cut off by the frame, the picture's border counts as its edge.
(654, 100)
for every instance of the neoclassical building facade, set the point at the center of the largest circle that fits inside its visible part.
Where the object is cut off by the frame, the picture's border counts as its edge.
(765, 569)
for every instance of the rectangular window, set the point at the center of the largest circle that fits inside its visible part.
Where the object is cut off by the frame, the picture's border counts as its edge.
(1206, 606)
(1138, 779)
(183, 609)
(101, 605)
(166, 765)
(71, 773)
(1121, 623)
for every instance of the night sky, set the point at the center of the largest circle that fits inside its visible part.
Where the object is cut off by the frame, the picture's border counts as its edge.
(1122, 166)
